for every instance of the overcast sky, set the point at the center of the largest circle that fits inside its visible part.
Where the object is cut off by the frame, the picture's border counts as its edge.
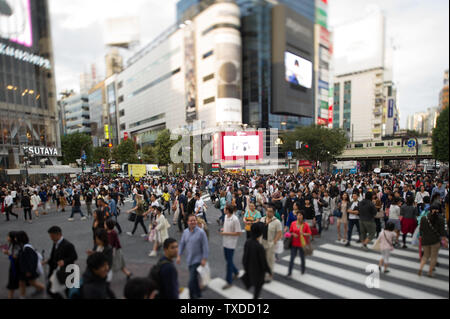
(419, 29)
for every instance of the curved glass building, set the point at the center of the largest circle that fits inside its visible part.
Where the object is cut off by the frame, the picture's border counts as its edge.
(28, 115)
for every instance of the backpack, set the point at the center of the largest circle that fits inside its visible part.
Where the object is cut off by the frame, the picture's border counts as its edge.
(155, 273)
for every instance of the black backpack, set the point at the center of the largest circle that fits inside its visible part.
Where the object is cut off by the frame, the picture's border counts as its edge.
(155, 273)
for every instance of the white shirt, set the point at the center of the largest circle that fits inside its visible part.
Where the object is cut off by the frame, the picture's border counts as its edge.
(394, 212)
(199, 206)
(8, 200)
(420, 196)
(231, 225)
(352, 207)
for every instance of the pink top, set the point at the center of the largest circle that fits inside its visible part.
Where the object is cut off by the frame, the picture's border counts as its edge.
(386, 242)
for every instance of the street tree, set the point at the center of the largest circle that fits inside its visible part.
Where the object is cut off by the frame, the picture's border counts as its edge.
(149, 154)
(440, 137)
(100, 153)
(125, 152)
(163, 145)
(72, 146)
(323, 144)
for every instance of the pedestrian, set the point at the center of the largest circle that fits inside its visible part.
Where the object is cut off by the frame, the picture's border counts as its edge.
(301, 236)
(114, 214)
(114, 241)
(88, 197)
(408, 218)
(43, 194)
(380, 213)
(101, 214)
(195, 244)
(433, 234)
(102, 246)
(164, 274)
(183, 209)
(9, 203)
(76, 206)
(94, 284)
(251, 216)
(353, 219)
(12, 250)
(28, 260)
(230, 233)
(63, 254)
(386, 239)
(140, 214)
(160, 227)
(273, 231)
(394, 217)
(26, 205)
(223, 202)
(254, 261)
(200, 207)
(367, 212)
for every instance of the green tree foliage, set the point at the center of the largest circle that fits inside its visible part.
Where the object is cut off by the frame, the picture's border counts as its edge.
(149, 154)
(162, 147)
(324, 144)
(99, 153)
(73, 144)
(440, 137)
(125, 152)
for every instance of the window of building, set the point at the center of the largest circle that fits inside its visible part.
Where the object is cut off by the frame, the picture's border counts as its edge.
(120, 85)
(121, 113)
(208, 77)
(148, 120)
(123, 127)
(398, 143)
(379, 144)
(208, 54)
(120, 99)
(359, 145)
(209, 100)
(220, 25)
(425, 142)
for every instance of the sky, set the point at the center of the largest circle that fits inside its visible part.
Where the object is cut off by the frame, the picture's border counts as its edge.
(419, 30)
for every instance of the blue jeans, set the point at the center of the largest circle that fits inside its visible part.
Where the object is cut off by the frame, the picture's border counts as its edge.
(194, 287)
(351, 224)
(319, 223)
(76, 209)
(222, 217)
(294, 251)
(231, 268)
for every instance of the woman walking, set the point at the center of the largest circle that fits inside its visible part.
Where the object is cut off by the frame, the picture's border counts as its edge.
(432, 230)
(160, 226)
(118, 259)
(223, 202)
(12, 251)
(251, 217)
(386, 239)
(301, 237)
(343, 206)
(408, 221)
(26, 205)
(140, 214)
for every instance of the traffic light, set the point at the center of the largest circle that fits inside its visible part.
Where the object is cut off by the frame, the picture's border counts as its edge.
(110, 145)
(306, 146)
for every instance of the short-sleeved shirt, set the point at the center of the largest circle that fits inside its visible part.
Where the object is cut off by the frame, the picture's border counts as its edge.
(273, 228)
(251, 217)
(231, 225)
(353, 206)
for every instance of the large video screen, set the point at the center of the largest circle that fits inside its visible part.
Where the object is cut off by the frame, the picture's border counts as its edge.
(299, 71)
(237, 145)
(15, 21)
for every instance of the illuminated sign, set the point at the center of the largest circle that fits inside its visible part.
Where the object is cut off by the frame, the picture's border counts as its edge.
(42, 151)
(237, 145)
(107, 132)
(15, 21)
(299, 71)
(24, 56)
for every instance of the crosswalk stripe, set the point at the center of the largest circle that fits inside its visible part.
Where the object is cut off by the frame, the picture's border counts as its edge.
(286, 292)
(376, 257)
(234, 292)
(320, 283)
(394, 273)
(443, 252)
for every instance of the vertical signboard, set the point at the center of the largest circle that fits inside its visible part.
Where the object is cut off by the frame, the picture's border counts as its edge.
(190, 73)
(391, 108)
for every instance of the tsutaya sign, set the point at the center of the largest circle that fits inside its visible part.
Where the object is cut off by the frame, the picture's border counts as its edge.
(42, 151)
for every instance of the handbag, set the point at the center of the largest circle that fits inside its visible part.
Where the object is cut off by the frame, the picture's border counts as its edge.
(376, 246)
(308, 250)
(287, 241)
(217, 204)
(132, 217)
(444, 243)
(337, 213)
(380, 214)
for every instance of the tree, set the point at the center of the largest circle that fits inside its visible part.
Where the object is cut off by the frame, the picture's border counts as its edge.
(149, 154)
(440, 137)
(163, 145)
(99, 153)
(125, 152)
(324, 144)
(72, 146)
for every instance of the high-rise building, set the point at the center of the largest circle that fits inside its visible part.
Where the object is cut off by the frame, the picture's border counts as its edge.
(28, 110)
(443, 96)
(76, 114)
(98, 115)
(114, 62)
(365, 103)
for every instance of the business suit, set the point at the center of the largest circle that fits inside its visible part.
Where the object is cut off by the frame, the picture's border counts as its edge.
(64, 251)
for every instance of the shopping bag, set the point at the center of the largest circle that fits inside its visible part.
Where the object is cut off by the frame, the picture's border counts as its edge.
(415, 237)
(204, 275)
(56, 286)
(279, 247)
(376, 246)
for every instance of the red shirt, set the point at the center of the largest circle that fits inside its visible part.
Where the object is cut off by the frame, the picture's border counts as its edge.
(296, 241)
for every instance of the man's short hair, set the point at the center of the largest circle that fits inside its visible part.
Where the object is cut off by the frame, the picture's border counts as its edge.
(96, 260)
(169, 241)
(55, 230)
(138, 288)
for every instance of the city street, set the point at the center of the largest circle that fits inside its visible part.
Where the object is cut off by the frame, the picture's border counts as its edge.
(334, 271)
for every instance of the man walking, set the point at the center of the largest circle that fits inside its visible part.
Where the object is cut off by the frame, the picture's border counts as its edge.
(113, 211)
(9, 202)
(271, 235)
(76, 205)
(230, 233)
(367, 212)
(168, 288)
(195, 243)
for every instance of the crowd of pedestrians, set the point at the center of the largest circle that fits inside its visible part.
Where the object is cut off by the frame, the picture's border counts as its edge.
(276, 212)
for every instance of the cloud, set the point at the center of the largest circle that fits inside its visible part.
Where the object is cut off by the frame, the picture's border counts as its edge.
(420, 31)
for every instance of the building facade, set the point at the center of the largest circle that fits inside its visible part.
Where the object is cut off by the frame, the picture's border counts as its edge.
(28, 111)
(98, 115)
(76, 114)
(443, 95)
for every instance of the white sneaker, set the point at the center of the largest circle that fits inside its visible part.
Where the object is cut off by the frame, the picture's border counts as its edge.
(144, 235)
(83, 218)
(70, 219)
(152, 254)
(129, 234)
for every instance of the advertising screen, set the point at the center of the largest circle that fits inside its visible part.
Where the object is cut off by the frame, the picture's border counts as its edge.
(299, 71)
(15, 21)
(236, 145)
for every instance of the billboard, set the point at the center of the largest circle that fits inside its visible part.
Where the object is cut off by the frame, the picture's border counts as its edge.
(15, 21)
(359, 46)
(190, 73)
(292, 63)
(299, 71)
(239, 145)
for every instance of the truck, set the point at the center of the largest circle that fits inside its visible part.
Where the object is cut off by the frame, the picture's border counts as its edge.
(348, 167)
(141, 170)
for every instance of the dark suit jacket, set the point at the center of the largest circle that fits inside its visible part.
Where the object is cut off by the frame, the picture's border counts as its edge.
(255, 263)
(65, 251)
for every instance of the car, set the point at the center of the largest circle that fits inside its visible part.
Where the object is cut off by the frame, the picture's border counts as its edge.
(122, 175)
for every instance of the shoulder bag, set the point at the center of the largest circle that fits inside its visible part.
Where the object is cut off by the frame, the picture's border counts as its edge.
(308, 249)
